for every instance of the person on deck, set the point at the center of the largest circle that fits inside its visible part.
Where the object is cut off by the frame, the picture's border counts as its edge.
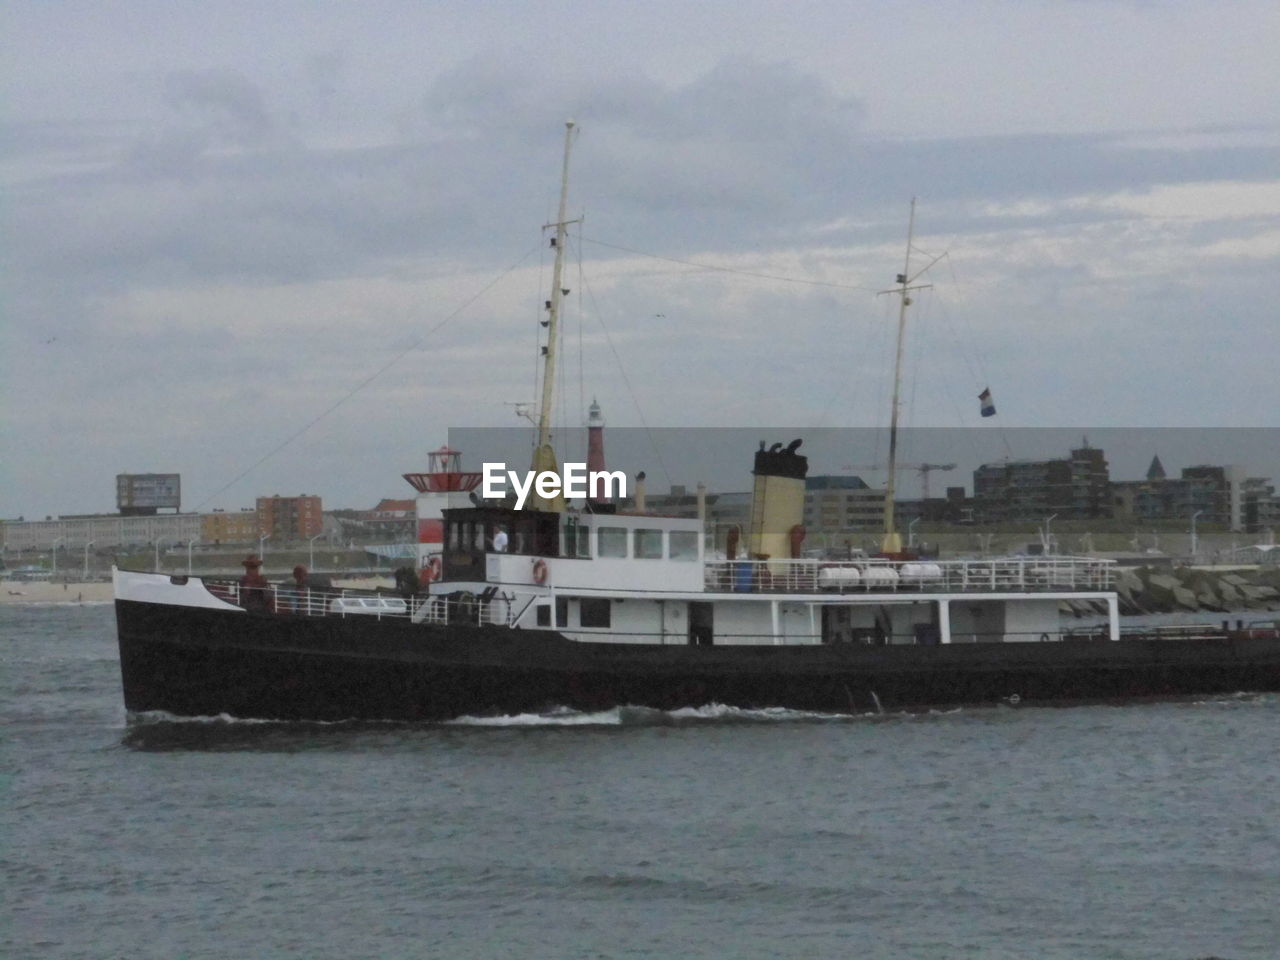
(253, 585)
(407, 583)
(500, 541)
(314, 589)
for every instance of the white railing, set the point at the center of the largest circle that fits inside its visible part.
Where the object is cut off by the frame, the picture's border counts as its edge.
(1002, 575)
(341, 602)
(308, 602)
(466, 610)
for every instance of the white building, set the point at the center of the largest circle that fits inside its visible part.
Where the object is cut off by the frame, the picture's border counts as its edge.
(106, 531)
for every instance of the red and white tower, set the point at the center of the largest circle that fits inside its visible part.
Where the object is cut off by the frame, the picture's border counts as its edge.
(595, 445)
(443, 485)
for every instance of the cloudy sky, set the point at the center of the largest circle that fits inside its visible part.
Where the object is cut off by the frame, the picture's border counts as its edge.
(284, 248)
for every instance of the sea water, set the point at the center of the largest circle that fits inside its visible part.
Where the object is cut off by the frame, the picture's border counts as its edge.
(1145, 831)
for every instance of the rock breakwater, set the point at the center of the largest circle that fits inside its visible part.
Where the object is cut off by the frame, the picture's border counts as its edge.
(1211, 589)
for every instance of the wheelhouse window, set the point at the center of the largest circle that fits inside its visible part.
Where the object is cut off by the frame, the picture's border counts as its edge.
(594, 612)
(575, 538)
(683, 545)
(612, 542)
(648, 544)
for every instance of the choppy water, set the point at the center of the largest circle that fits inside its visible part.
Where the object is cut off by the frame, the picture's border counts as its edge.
(1092, 832)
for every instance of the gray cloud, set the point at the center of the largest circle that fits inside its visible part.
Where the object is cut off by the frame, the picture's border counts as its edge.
(748, 155)
(156, 246)
(225, 103)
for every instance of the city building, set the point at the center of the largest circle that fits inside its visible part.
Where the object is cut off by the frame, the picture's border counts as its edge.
(1220, 495)
(285, 519)
(102, 532)
(229, 526)
(837, 504)
(1074, 488)
(955, 507)
(1261, 506)
(392, 519)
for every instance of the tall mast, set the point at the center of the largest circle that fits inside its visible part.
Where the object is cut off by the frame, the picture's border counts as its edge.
(553, 307)
(892, 542)
(544, 457)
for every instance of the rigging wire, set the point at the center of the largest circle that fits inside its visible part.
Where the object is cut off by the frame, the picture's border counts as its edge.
(912, 349)
(622, 370)
(977, 354)
(721, 269)
(539, 312)
(582, 377)
(881, 400)
(954, 388)
(837, 393)
(413, 345)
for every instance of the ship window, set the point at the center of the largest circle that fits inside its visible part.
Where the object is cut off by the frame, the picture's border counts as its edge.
(477, 536)
(683, 545)
(594, 613)
(453, 535)
(649, 544)
(612, 542)
(577, 539)
(542, 613)
(562, 611)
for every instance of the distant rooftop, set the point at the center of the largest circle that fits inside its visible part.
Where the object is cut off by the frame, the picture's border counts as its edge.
(832, 481)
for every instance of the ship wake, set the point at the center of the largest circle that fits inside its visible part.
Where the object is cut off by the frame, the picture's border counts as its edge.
(633, 716)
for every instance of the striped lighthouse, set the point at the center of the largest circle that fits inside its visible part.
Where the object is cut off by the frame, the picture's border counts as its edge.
(595, 445)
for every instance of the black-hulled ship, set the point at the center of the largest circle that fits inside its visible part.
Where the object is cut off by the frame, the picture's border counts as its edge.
(524, 610)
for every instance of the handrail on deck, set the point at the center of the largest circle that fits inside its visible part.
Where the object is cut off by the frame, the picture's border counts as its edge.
(987, 575)
(352, 602)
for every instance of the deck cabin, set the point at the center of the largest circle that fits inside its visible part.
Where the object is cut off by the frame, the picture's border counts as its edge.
(640, 578)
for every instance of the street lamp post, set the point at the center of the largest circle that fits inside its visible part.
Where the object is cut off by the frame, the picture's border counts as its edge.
(85, 576)
(1045, 539)
(189, 545)
(1195, 543)
(159, 540)
(54, 573)
(262, 551)
(311, 552)
(911, 532)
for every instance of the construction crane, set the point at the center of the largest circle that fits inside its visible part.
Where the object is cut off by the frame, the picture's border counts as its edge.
(924, 469)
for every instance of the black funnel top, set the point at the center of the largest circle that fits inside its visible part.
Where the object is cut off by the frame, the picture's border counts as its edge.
(776, 462)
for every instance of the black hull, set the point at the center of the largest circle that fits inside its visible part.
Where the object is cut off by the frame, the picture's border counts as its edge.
(191, 661)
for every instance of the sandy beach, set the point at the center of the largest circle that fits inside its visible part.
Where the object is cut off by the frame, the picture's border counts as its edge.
(22, 591)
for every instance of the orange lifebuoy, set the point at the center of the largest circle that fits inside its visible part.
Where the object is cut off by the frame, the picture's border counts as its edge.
(539, 572)
(432, 570)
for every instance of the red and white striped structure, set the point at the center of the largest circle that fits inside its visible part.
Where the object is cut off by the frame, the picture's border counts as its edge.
(445, 484)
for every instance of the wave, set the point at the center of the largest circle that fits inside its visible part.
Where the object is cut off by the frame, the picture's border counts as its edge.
(623, 716)
(633, 716)
(142, 718)
(1241, 697)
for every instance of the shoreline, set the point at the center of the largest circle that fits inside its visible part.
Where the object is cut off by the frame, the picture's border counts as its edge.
(43, 593)
(37, 592)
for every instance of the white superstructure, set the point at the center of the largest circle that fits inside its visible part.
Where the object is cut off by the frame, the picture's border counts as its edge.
(646, 579)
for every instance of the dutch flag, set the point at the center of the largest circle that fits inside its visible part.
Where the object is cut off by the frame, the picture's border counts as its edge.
(988, 405)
